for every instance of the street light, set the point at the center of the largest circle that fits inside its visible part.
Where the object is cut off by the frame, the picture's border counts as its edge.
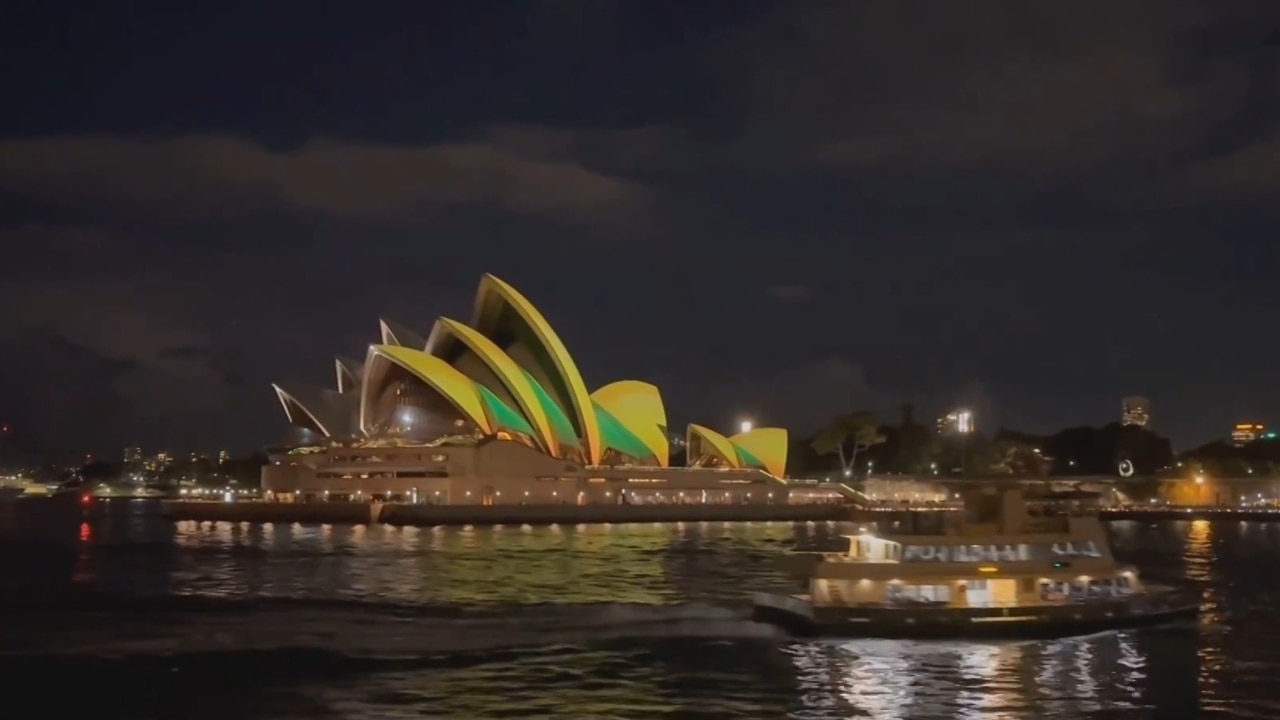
(745, 426)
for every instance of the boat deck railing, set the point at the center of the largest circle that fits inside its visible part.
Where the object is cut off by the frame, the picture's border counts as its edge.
(1153, 601)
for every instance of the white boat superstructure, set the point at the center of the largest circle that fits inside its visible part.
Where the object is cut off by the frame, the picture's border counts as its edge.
(1001, 551)
(1005, 565)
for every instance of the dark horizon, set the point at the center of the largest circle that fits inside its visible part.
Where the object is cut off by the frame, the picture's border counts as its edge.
(1032, 213)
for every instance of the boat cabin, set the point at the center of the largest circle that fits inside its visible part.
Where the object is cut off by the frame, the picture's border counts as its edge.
(1003, 550)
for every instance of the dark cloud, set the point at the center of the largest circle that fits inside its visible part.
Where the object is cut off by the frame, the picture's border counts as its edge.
(1037, 90)
(54, 387)
(182, 352)
(1033, 210)
(219, 177)
(790, 293)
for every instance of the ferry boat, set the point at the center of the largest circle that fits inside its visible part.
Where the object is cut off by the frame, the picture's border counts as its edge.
(1007, 566)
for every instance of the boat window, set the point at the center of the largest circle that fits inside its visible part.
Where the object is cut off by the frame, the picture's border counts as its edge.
(1102, 587)
(1078, 589)
(978, 584)
(1053, 591)
(918, 593)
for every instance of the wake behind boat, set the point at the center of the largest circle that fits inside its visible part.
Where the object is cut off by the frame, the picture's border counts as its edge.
(1007, 567)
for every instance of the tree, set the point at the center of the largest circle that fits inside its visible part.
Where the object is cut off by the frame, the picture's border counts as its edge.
(99, 470)
(846, 436)
(913, 446)
(1008, 457)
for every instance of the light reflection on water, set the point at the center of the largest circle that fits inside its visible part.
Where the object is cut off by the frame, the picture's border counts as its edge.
(648, 563)
(707, 662)
(993, 681)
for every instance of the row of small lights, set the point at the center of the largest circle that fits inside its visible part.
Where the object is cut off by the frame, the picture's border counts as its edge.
(1208, 508)
(554, 493)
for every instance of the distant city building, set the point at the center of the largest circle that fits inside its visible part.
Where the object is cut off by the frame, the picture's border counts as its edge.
(959, 422)
(1135, 410)
(1245, 433)
(132, 454)
(159, 461)
(223, 457)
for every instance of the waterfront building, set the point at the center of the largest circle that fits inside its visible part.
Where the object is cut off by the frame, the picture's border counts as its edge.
(1135, 410)
(1244, 433)
(957, 422)
(496, 412)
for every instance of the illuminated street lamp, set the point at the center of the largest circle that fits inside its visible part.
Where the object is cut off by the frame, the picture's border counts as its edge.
(745, 426)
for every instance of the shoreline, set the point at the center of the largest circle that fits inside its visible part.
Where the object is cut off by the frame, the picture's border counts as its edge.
(456, 515)
(433, 515)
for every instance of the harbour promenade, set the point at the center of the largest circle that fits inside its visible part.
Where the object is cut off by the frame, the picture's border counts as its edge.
(1169, 512)
(867, 500)
(432, 515)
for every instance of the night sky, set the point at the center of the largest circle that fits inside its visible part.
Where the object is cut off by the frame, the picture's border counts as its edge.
(770, 210)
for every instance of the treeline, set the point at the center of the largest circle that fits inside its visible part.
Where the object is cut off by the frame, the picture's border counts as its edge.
(856, 443)
(1221, 458)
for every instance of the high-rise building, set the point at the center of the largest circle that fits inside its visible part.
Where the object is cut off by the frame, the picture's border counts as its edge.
(223, 457)
(1244, 433)
(958, 422)
(1135, 410)
(132, 455)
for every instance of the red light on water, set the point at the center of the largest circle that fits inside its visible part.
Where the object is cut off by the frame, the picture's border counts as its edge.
(86, 532)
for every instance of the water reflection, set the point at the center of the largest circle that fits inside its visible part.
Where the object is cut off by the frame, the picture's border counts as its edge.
(1225, 664)
(995, 681)
(646, 563)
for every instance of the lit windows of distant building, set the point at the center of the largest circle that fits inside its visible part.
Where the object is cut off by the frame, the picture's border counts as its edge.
(1135, 410)
(958, 422)
(1244, 433)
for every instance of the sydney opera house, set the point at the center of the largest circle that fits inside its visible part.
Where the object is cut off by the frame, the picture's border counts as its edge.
(496, 412)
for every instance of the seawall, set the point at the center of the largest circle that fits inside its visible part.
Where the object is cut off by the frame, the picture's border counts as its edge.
(431, 515)
(1192, 513)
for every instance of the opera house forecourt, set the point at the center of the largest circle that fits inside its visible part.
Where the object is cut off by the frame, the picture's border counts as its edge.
(495, 412)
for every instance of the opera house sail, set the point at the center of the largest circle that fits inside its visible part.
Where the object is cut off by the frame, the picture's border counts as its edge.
(473, 408)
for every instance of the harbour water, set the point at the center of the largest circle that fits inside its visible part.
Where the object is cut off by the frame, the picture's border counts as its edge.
(148, 619)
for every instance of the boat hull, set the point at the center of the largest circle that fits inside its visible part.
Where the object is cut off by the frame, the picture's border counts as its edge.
(1032, 622)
